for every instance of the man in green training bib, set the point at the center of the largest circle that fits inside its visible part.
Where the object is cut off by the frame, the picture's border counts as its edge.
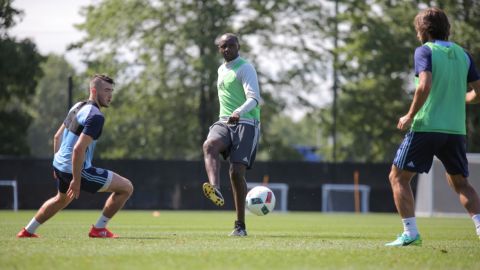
(235, 135)
(436, 118)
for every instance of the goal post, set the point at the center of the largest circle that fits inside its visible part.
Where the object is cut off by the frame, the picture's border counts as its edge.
(434, 197)
(13, 184)
(342, 198)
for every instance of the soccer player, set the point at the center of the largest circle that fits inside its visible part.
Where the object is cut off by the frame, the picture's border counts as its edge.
(72, 163)
(236, 133)
(437, 119)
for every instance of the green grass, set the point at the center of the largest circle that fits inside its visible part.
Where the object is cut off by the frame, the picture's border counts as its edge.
(198, 240)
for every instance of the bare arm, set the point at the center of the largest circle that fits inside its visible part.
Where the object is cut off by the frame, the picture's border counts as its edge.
(77, 164)
(421, 95)
(473, 97)
(57, 139)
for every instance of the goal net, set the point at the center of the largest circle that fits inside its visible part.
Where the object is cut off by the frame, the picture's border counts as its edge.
(345, 198)
(435, 197)
(8, 194)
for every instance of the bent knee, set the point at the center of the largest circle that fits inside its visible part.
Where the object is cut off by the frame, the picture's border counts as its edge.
(208, 146)
(459, 183)
(393, 177)
(213, 146)
(128, 187)
(121, 185)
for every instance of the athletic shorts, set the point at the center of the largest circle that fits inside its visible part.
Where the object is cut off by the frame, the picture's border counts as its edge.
(93, 180)
(241, 140)
(417, 150)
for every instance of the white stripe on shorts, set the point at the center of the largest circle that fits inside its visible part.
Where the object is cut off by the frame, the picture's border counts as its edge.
(97, 179)
(255, 138)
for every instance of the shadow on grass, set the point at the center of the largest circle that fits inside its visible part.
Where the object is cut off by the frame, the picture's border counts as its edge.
(142, 238)
(319, 236)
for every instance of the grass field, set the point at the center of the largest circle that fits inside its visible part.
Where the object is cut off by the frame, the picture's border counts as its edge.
(198, 240)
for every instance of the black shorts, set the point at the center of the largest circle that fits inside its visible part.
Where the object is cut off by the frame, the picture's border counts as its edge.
(241, 140)
(418, 149)
(93, 180)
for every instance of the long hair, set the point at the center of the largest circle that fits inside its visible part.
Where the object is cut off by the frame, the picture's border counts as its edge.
(432, 22)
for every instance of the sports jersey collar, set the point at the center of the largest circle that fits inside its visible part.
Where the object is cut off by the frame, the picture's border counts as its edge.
(443, 43)
(233, 61)
(93, 103)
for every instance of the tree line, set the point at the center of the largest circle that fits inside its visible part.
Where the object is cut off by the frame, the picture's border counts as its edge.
(163, 55)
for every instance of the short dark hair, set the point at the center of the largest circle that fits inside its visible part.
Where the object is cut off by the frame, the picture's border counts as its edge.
(434, 22)
(226, 35)
(98, 78)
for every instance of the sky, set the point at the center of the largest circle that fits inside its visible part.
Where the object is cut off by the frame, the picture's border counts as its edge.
(50, 24)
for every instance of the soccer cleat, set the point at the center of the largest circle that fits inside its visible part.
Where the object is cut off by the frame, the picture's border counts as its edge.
(101, 233)
(25, 234)
(239, 229)
(213, 194)
(405, 240)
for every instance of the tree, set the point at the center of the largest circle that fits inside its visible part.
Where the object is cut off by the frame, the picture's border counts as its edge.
(286, 135)
(49, 105)
(167, 61)
(375, 61)
(465, 21)
(376, 65)
(19, 70)
(7, 15)
(289, 44)
(164, 109)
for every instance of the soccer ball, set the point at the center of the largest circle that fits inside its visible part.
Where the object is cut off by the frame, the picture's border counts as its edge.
(260, 200)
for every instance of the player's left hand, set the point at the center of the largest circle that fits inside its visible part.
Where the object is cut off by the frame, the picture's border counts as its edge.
(404, 122)
(74, 189)
(233, 119)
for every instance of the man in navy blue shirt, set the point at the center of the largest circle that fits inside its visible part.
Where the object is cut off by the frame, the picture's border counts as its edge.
(436, 122)
(72, 163)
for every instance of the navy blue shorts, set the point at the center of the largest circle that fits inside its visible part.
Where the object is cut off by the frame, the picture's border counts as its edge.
(93, 180)
(417, 150)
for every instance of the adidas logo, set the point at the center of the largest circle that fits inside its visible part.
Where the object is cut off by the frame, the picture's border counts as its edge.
(410, 164)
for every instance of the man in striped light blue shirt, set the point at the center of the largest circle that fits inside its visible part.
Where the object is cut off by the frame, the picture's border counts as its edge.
(72, 163)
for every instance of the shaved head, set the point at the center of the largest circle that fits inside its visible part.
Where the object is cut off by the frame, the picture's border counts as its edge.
(226, 36)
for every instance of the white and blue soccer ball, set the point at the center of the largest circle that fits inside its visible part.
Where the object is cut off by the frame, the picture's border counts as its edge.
(260, 200)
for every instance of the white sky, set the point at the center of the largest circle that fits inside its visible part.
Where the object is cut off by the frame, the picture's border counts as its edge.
(49, 23)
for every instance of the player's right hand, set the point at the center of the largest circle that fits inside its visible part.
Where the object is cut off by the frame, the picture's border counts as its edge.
(234, 118)
(404, 122)
(74, 189)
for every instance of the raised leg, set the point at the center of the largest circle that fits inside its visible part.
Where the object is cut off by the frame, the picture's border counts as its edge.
(211, 155)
